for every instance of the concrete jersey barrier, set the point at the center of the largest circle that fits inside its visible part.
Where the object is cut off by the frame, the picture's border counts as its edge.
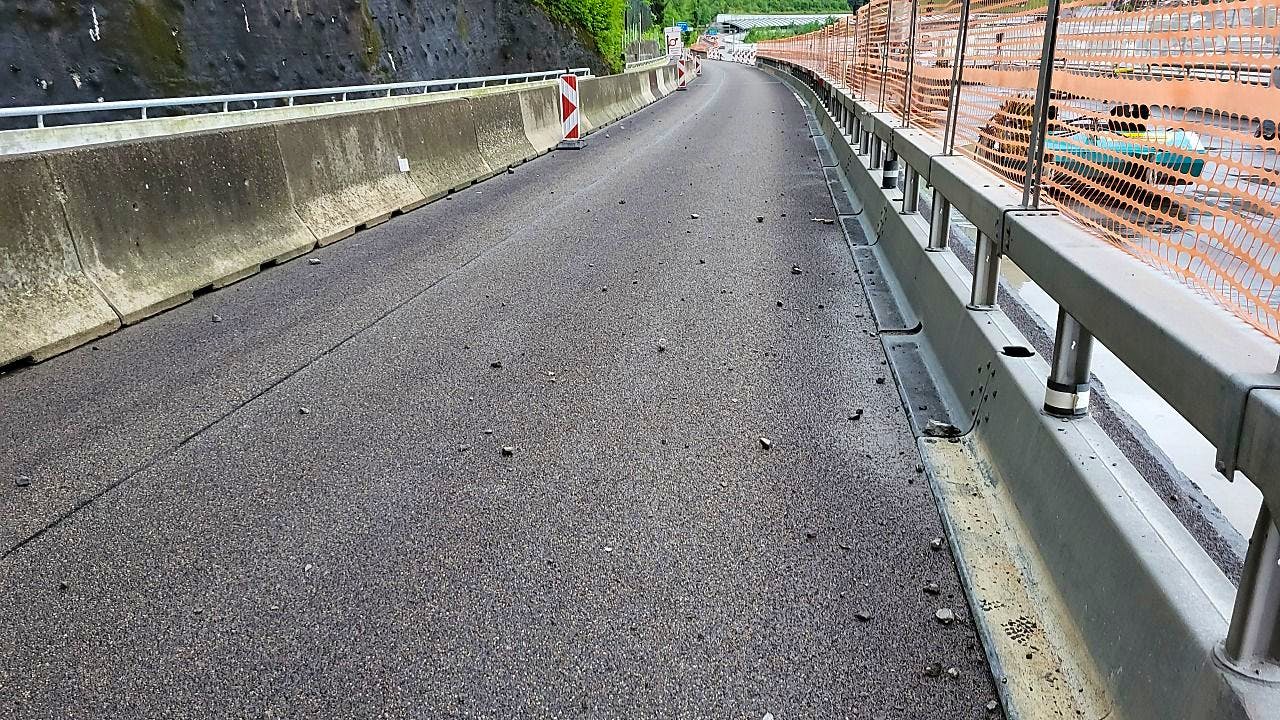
(158, 219)
(47, 303)
(103, 235)
(347, 171)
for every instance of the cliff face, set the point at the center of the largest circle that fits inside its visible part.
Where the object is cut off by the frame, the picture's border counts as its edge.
(55, 51)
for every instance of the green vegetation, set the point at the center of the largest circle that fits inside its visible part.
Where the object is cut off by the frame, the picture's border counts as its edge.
(758, 34)
(600, 21)
(153, 31)
(699, 13)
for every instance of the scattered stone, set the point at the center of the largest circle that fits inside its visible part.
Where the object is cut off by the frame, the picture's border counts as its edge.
(304, 411)
(759, 218)
(488, 431)
(217, 317)
(495, 364)
(936, 543)
(953, 672)
(824, 221)
(622, 202)
(779, 303)
(313, 261)
(945, 616)
(63, 586)
(604, 289)
(857, 414)
(937, 428)
(919, 468)
(862, 616)
(993, 706)
(932, 589)
(662, 344)
(795, 270)
(508, 451)
(464, 447)
(810, 535)
(511, 171)
(700, 262)
(22, 481)
(766, 443)
(933, 669)
(694, 216)
(846, 546)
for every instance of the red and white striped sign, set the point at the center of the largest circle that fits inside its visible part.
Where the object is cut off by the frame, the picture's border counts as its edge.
(569, 112)
(682, 71)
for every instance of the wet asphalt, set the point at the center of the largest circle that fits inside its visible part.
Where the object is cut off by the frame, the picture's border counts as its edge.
(305, 509)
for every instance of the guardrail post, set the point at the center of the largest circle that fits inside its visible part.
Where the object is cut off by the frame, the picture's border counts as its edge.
(911, 191)
(889, 174)
(908, 84)
(939, 223)
(1040, 110)
(986, 273)
(1067, 391)
(1252, 646)
(877, 151)
(884, 52)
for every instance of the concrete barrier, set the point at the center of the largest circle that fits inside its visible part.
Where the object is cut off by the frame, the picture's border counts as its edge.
(101, 235)
(47, 304)
(441, 146)
(347, 171)
(541, 110)
(158, 219)
(500, 130)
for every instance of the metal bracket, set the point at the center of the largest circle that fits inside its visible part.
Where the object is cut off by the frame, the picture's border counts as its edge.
(1231, 419)
(884, 212)
(1004, 235)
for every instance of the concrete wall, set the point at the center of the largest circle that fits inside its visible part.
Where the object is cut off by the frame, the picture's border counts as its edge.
(98, 236)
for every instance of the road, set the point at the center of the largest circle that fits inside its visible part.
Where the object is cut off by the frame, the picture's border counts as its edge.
(289, 498)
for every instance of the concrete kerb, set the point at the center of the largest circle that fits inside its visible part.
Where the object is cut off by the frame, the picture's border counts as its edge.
(47, 303)
(347, 171)
(158, 219)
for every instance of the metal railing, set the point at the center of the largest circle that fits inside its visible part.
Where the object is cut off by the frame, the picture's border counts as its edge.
(1178, 167)
(655, 60)
(225, 103)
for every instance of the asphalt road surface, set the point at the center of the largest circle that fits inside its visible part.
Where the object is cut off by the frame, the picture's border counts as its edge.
(304, 509)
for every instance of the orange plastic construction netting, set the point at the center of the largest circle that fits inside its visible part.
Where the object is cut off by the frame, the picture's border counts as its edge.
(1162, 132)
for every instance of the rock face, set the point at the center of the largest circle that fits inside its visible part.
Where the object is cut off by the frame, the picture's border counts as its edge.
(60, 51)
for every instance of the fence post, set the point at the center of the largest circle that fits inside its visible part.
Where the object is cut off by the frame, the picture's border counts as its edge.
(884, 53)
(939, 223)
(1040, 111)
(1067, 394)
(911, 68)
(1252, 646)
(957, 75)
(986, 273)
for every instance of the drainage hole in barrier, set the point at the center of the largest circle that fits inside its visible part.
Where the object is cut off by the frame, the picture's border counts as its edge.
(1018, 351)
(16, 365)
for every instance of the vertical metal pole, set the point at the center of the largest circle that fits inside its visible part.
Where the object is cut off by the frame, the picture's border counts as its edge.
(911, 192)
(1040, 112)
(1067, 392)
(1253, 642)
(986, 273)
(939, 223)
(877, 151)
(884, 53)
(957, 77)
(889, 174)
(911, 70)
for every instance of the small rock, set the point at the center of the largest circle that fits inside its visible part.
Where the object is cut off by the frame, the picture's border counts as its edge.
(932, 589)
(945, 616)
(216, 317)
(993, 706)
(759, 218)
(508, 451)
(766, 443)
(795, 270)
(304, 411)
(694, 216)
(953, 672)
(511, 171)
(846, 546)
(464, 448)
(880, 381)
(63, 586)
(779, 303)
(933, 669)
(919, 468)
(862, 616)
(700, 262)
(313, 261)
(937, 428)
(488, 431)
(495, 364)
(936, 543)
(604, 289)
(857, 414)
(622, 202)
(810, 534)
(22, 481)
(662, 344)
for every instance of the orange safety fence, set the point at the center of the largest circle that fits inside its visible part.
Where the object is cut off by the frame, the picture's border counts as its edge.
(1162, 131)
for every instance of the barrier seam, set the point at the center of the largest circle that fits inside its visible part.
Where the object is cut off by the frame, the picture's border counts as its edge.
(75, 244)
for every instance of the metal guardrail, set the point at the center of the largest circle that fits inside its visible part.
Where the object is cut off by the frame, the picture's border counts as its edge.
(1220, 376)
(336, 94)
(655, 60)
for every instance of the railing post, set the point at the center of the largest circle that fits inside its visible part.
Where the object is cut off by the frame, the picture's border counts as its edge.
(877, 151)
(911, 71)
(889, 173)
(1040, 111)
(884, 52)
(911, 191)
(1067, 391)
(986, 273)
(1252, 646)
(939, 223)
(957, 76)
